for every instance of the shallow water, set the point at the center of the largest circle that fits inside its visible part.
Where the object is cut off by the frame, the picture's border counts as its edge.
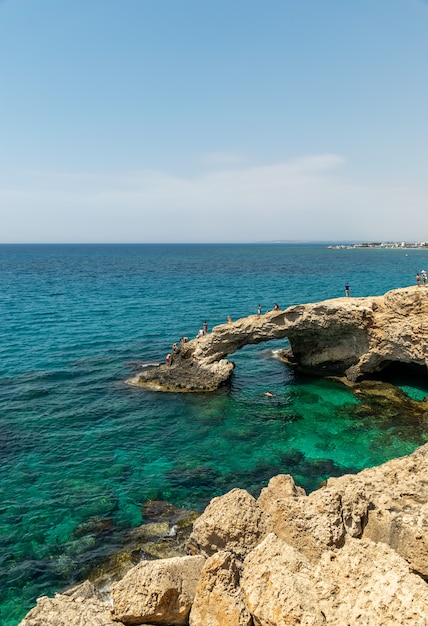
(78, 444)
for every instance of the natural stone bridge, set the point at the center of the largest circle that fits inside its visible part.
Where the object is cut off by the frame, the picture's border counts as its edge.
(354, 337)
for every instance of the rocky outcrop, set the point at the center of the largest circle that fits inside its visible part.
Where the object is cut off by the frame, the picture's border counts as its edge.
(345, 336)
(363, 583)
(314, 523)
(157, 592)
(353, 553)
(81, 605)
(397, 505)
(366, 583)
(361, 336)
(218, 600)
(282, 590)
(233, 522)
(386, 504)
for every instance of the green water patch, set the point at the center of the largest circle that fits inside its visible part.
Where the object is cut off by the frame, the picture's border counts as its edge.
(67, 500)
(311, 429)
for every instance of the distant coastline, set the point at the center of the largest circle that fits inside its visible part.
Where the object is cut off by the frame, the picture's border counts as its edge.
(389, 245)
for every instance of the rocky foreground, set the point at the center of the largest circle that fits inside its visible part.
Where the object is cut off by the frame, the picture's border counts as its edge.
(352, 337)
(354, 552)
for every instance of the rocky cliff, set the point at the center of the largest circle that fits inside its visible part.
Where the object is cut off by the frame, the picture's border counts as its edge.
(352, 337)
(353, 553)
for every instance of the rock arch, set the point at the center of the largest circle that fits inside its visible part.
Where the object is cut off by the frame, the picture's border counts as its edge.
(354, 337)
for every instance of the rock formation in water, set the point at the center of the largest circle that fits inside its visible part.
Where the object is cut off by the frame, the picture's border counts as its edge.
(352, 337)
(353, 552)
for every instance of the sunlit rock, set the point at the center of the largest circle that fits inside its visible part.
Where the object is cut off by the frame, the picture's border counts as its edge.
(355, 337)
(157, 592)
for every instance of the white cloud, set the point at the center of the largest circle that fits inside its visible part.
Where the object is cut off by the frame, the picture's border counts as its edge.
(301, 199)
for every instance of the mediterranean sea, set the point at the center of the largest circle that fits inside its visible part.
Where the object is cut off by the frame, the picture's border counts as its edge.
(77, 443)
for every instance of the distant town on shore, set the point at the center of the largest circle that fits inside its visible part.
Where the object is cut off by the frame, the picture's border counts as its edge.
(381, 244)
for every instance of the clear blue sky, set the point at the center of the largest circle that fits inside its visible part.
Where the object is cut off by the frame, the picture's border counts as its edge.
(213, 120)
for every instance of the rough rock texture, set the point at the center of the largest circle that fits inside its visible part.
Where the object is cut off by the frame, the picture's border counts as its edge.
(387, 504)
(397, 512)
(81, 606)
(361, 584)
(185, 374)
(345, 336)
(218, 600)
(359, 336)
(158, 592)
(277, 585)
(353, 553)
(309, 524)
(368, 584)
(232, 522)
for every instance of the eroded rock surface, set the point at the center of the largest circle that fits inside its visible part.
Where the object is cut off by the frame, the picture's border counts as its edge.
(81, 605)
(310, 524)
(388, 504)
(353, 553)
(277, 585)
(157, 592)
(363, 583)
(344, 336)
(232, 522)
(397, 511)
(367, 583)
(218, 600)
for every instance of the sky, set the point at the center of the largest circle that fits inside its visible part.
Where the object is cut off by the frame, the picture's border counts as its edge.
(213, 120)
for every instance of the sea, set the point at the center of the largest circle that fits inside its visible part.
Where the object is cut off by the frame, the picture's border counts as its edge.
(77, 443)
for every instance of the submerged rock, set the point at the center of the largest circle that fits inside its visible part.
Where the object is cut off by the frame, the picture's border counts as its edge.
(164, 537)
(354, 552)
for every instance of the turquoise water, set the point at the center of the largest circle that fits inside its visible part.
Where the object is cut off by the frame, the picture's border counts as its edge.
(77, 444)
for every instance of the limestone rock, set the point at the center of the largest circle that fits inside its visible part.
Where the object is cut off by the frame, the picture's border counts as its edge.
(311, 570)
(368, 584)
(218, 600)
(343, 336)
(277, 586)
(184, 374)
(387, 504)
(232, 522)
(397, 511)
(362, 583)
(313, 523)
(280, 486)
(158, 592)
(81, 605)
(360, 336)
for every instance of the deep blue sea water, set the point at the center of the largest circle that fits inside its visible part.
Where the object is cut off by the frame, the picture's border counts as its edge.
(76, 442)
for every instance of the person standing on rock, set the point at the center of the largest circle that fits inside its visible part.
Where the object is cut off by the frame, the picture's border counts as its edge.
(424, 277)
(347, 290)
(418, 279)
(205, 327)
(259, 309)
